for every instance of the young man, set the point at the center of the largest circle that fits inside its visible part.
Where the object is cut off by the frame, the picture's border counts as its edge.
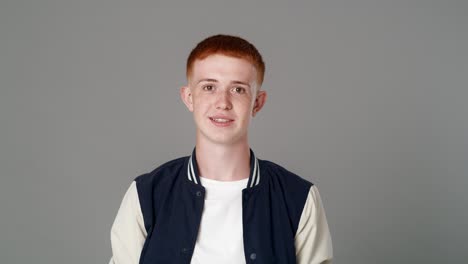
(221, 204)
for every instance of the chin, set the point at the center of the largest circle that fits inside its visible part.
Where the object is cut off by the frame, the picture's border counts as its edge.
(222, 139)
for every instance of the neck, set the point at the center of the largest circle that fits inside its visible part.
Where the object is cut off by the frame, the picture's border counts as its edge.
(223, 162)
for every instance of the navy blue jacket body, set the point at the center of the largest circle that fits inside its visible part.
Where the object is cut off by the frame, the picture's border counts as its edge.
(172, 199)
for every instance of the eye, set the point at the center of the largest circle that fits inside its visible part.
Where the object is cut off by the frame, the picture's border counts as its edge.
(208, 87)
(239, 90)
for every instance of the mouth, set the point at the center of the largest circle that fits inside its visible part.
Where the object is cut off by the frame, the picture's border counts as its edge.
(221, 121)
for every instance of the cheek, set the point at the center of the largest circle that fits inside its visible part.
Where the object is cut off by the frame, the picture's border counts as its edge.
(200, 107)
(247, 109)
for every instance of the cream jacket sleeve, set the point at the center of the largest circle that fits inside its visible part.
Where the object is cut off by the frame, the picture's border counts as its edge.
(128, 232)
(313, 241)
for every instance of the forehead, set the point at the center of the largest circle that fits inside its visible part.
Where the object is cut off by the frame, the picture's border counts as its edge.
(223, 68)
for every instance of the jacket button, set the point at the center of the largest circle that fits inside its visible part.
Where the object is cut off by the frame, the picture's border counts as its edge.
(185, 250)
(253, 256)
(199, 193)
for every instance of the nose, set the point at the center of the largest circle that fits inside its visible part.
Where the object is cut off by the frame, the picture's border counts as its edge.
(223, 101)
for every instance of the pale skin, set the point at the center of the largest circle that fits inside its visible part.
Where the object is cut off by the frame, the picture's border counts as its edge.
(224, 95)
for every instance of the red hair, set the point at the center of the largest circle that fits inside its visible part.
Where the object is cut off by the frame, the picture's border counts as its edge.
(232, 46)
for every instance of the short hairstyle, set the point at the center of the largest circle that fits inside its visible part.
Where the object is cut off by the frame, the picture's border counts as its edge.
(232, 46)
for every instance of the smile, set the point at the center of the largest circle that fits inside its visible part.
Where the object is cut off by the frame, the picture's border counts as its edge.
(221, 121)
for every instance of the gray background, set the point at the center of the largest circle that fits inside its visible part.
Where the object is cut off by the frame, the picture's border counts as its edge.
(366, 98)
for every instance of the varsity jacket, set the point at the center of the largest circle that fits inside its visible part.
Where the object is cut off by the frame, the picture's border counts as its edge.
(282, 215)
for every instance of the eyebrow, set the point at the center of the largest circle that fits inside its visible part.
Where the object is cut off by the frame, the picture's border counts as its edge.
(243, 83)
(207, 80)
(215, 81)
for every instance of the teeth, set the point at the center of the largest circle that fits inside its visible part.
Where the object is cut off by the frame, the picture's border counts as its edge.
(221, 120)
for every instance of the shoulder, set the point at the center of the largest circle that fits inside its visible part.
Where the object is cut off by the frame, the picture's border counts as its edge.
(153, 186)
(286, 187)
(166, 171)
(278, 174)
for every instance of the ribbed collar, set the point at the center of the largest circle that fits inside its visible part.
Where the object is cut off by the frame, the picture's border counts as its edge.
(194, 176)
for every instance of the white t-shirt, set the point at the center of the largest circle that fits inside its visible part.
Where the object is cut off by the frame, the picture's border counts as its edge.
(220, 237)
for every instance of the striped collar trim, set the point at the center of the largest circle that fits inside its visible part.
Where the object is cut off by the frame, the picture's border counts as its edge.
(254, 178)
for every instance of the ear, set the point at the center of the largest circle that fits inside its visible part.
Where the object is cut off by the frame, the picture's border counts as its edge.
(259, 102)
(186, 96)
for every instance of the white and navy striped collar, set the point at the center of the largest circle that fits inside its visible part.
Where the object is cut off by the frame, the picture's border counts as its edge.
(254, 178)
